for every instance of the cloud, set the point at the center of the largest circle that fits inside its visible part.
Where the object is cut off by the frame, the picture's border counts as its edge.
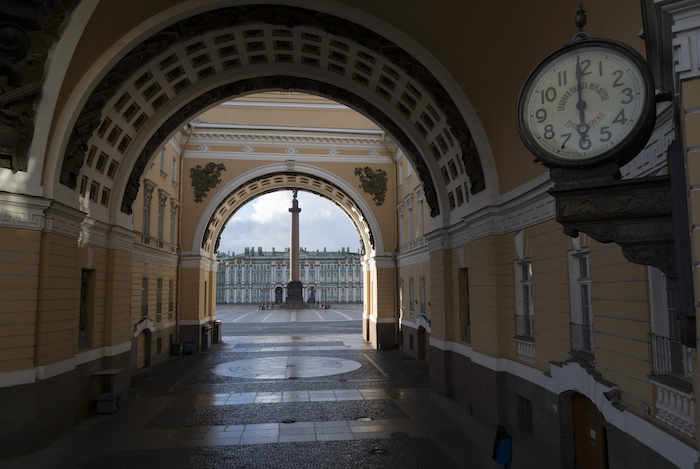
(264, 222)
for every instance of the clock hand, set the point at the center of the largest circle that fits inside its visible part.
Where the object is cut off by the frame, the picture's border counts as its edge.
(581, 105)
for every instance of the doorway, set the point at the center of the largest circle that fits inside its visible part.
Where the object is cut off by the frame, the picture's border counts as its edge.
(278, 295)
(144, 348)
(589, 434)
(422, 343)
(312, 295)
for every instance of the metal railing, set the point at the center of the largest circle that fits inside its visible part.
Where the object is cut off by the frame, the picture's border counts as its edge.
(581, 337)
(524, 325)
(669, 357)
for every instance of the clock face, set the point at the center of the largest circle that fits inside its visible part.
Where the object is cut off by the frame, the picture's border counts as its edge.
(585, 103)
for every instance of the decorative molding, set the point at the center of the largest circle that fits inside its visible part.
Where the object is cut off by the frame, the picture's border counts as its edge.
(437, 245)
(121, 239)
(373, 153)
(153, 256)
(204, 147)
(526, 351)
(163, 197)
(248, 149)
(94, 233)
(400, 208)
(205, 178)
(653, 157)
(290, 165)
(19, 211)
(145, 323)
(291, 151)
(675, 408)
(63, 220)
(417, 257)
(333, 152)
(373, 182)
(148, 187)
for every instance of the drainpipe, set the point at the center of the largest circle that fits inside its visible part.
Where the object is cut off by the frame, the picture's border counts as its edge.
(179, 230)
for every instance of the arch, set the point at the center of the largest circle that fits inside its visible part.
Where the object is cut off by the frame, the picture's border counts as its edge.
(431, 107)
(229, 198)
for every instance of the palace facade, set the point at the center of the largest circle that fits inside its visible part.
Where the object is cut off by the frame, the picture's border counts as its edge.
(262, 276)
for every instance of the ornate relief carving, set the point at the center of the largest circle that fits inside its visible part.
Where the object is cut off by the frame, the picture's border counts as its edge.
(276, 15)
(22, 58)
(204, 179)
(302, 84)
(373, 182)
(204, 147)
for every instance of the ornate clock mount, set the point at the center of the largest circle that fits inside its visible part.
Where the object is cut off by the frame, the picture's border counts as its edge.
(584, 154)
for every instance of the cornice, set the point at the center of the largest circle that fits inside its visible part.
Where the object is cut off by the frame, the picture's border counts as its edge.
(20, 211)
(150, 255)
(63, 220)
(416, 256)
(243, 139)
(245, 156)
(94, 233)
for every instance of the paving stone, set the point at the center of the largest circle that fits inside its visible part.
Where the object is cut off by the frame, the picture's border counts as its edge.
(179, 417)
(416, 453)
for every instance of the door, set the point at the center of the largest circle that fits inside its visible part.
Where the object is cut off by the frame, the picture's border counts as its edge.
(589, 434)
(141, 357)
(278, 295)
(422, 343)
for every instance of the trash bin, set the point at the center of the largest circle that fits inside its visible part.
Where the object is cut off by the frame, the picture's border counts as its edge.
(176, 349)
(189, 346)
(206, 337)
(217, 331)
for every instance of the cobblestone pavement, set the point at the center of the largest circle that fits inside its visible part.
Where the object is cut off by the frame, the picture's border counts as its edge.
(181, 414)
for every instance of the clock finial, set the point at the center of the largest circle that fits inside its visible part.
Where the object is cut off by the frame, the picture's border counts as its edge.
(580, 22)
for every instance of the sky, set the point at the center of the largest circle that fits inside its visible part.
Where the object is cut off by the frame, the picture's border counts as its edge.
(264, 222)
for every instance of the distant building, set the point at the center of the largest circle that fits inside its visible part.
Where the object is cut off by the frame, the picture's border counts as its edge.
(257, 276)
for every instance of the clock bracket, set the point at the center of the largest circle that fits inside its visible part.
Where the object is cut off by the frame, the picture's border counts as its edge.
(646, 217)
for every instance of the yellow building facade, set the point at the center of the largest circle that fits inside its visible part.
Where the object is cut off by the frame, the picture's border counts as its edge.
(135, 130)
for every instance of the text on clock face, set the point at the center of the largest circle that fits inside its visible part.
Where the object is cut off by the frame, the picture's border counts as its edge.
(582, 104)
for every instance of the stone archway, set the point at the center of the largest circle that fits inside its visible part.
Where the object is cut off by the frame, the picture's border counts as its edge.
(197, 62)
(270, 178)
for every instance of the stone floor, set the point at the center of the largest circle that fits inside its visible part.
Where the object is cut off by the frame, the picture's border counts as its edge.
(314, 401)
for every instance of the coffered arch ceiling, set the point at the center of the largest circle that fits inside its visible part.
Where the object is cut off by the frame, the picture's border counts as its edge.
(276, 177)
(198, 62)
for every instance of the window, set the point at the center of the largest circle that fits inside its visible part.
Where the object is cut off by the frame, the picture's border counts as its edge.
(524, 306)
(162, 160)
(401, 227)
(670, 356)
(170, 295)
(410, 296)
(421, 219)
(161, 219)
(524, 409)
(147, 196)
(175, 170)
(422, 295)
(410, 222)
(581, 313)
(400, 173)
(173, 219)
(144, 296)
(159, 297)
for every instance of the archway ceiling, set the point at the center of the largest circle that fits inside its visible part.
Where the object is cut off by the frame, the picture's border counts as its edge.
(346, 48)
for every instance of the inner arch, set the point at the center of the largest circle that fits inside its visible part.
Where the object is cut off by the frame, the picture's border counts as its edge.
(277, 177)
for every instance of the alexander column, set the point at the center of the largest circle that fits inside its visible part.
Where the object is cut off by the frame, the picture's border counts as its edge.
(294, 287)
